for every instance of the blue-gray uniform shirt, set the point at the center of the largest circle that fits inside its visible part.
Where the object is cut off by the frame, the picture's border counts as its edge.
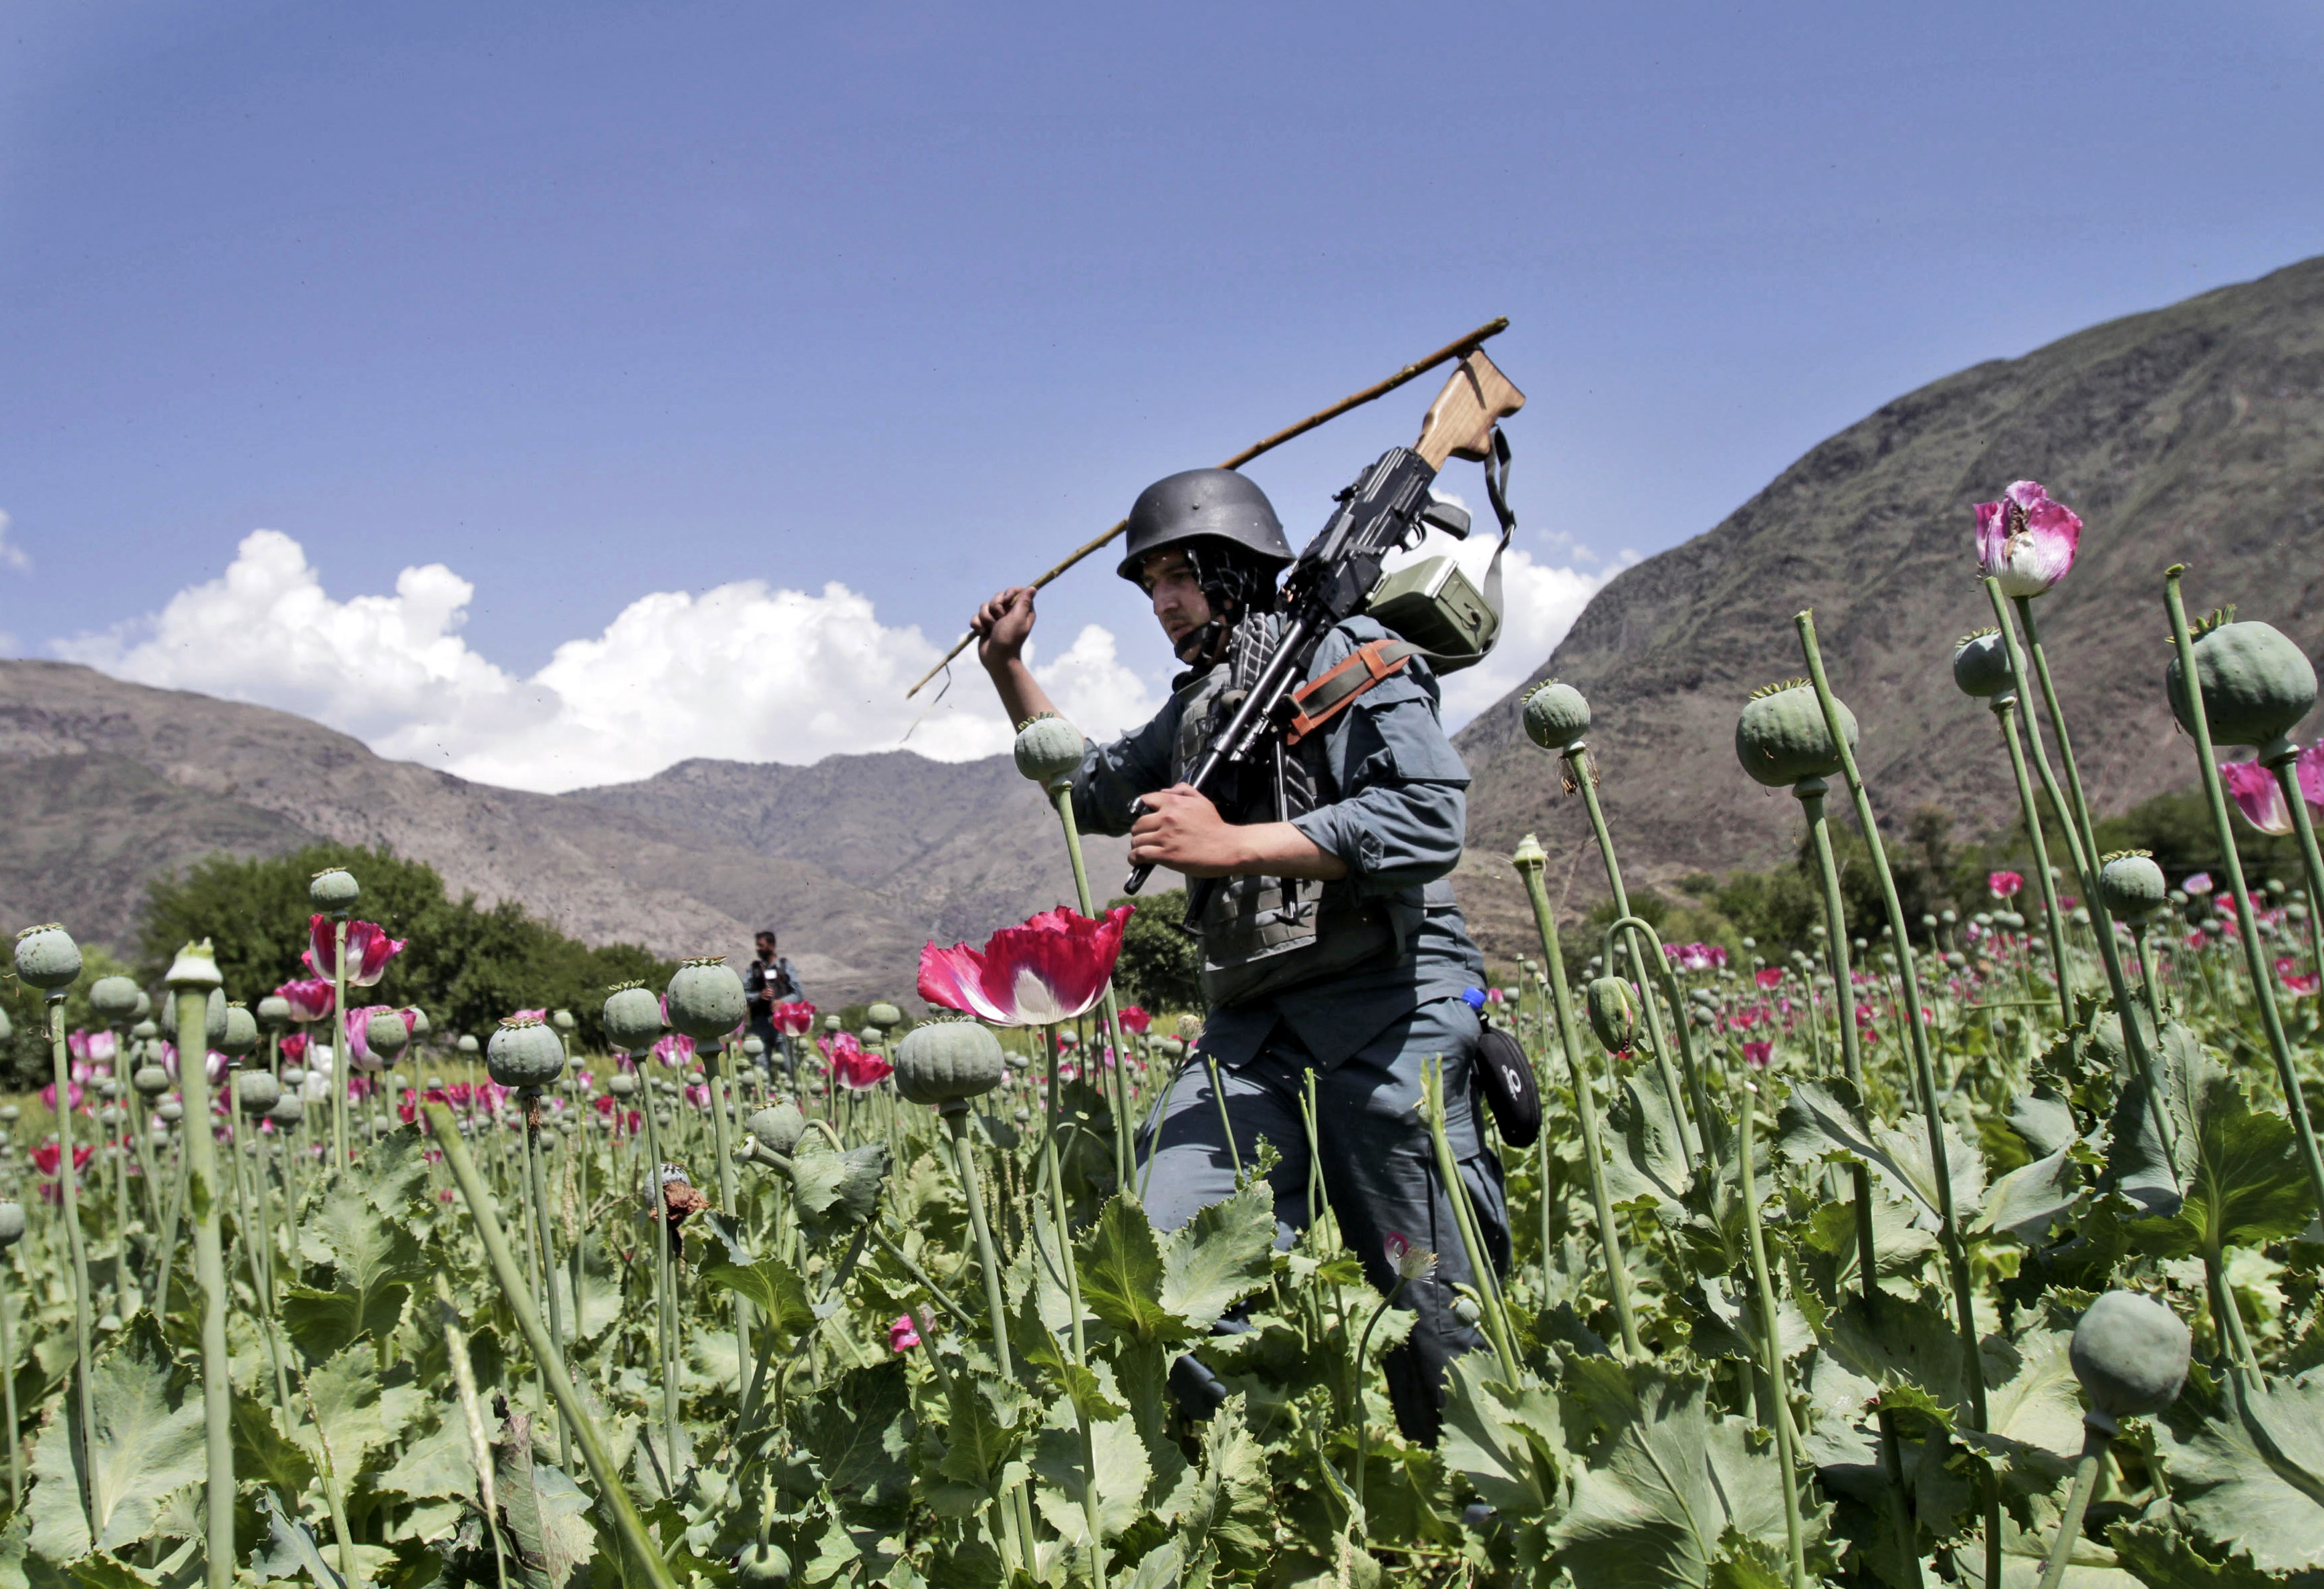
(1394, 808)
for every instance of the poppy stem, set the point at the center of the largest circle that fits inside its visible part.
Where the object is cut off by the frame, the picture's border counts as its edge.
(209, 1273)
(68, 1195)
(2053, 920)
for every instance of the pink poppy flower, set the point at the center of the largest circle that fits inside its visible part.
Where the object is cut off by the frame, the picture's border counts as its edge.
(79, 1098)
(1768, 976)
(1051, 968)
(309, 998)
(2257, 795)
(1135, 1020)
(529, 1015)
(674, 1048)
(903, 1336)
(794, 1020)
(48, 1156)
(2025, 540)
(2310, 769)
(2005, 885)
(369, 949)
(851, 1066)
(1757, 1055)
(2198, 884)
(358, 1029)
(91, 1048)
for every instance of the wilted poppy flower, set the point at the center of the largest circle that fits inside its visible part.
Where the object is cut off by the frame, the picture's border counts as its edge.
(2257, 795)
(369, 949)
(2025, 540)
(1051, 968)
(902, 1336)
(309, 998)
(2005, 884)
(1410, 1262)
(793, 1020)
(1135, 1020)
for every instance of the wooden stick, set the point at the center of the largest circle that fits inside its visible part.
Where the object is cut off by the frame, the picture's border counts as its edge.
(1450, 350)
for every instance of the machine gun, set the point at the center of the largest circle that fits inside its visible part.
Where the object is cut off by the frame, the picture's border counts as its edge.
(1387, 509)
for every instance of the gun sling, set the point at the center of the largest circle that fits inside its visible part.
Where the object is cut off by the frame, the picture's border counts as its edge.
(1320, 700)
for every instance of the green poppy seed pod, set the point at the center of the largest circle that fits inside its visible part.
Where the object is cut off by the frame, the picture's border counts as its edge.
(2257, 685)
(778, 1127)
(1528, 854)
(466, 1045)
(274, 1012)
(1173, 1048)
(766, 1565)
(884, 1015)
(1781, 736)
(386, 1035)
(1981, 666)
(1047, 748)
(633, 1019)
(1613, 1012)
(705, 998)
(288, 1110)
(12, 1224)
(831, 1023)
(1556, 715)
(562, 1020)
(7, 1030)
(144, 1031)
(525, 1053)
(241, 1033)
(170, 1110)
(419, 1023)
(2130, 1352)
(944, 1063)
(2131, 885)
(195, 966)
(333, 892)
(622, 1084)
(151, 1080)
(255, 1093)
(113, 1000)
(47, 957)
(753, 1047)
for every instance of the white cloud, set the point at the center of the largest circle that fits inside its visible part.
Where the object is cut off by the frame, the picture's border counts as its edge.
(12, 556)
(743, 672)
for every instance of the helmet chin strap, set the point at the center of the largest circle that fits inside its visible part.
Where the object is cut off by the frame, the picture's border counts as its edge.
(1231, 589)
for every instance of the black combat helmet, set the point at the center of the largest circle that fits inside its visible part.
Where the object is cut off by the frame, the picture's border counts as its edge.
(1204, 504)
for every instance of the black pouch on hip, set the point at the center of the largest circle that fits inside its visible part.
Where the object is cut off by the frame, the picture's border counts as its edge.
(1505, 1076)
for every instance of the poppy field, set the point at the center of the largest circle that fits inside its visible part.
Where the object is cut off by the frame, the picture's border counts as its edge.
(1967, 1249)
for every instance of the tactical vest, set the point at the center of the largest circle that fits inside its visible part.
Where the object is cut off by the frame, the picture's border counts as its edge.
(1265, 934)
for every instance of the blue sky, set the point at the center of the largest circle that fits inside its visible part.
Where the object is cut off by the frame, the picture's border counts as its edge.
(625, 382)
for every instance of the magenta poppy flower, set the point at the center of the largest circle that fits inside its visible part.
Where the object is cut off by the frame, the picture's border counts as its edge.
(309, 998)
(369, 949)
(1758, 1055)
(1135, 1020)
(49, 1157)
(2257, 795)
(794, 1020)
(674, 1048)
(1051, 968)
(903, 1336)
(358, 1029)
(2005, 885)
(294, 1047)
(1768, 976)
(78, 1098)
(2310, 768)
(851, 1066)
(2025, 540)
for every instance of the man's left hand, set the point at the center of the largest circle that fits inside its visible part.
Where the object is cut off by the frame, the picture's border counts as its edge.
(1183, 831)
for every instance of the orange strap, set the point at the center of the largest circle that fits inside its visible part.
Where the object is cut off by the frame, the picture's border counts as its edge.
(1319, 700)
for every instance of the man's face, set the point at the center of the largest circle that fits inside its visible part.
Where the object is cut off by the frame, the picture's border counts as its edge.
(766, 948)
(1179, 604)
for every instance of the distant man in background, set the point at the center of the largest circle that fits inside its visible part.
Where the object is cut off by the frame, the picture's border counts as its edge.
(768, 980)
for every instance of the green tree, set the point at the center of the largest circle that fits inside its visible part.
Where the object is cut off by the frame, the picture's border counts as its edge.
(1161, 966)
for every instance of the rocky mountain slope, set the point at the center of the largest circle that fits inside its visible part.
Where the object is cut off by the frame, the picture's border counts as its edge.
(857, 862)
(2194, 434)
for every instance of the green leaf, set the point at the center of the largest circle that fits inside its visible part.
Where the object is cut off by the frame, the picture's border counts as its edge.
(1506, 1442)
(1121, 1273)
(2254, 1484)
(770, 1285)
(2245, 1184)
(1666, 1481)
(1820, 1121)
(2027, 1201)
(436, 1464)
(294, 1549)
(1119, 1473)
(1219, 1257)
(360, 1224)
(147, 1443)
(984, 1427)
(354, 1411)
(1037, 1347)
(262, 1453)
(859, 1430)
(1648, 1166)
(1231, 1502)
(2157, 1555)
(544, 1515)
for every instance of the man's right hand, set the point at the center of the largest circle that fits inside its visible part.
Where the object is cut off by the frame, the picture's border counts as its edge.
(1003, 626)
